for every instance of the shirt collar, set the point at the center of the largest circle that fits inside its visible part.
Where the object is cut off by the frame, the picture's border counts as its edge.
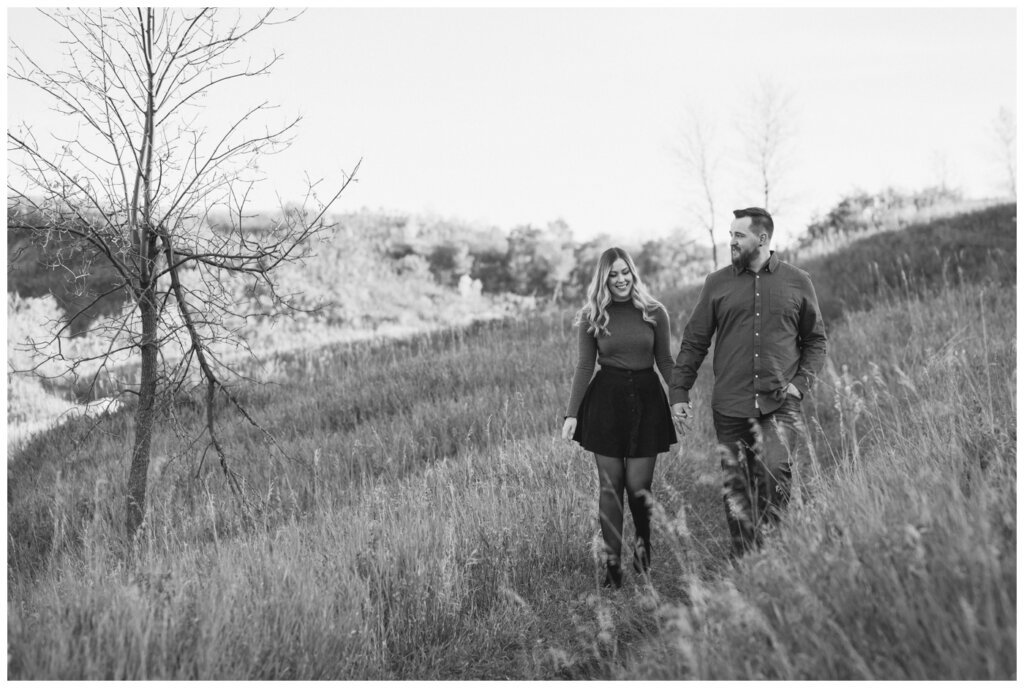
(771, 266)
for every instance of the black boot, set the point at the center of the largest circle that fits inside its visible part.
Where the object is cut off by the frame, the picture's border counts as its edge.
(642, 555)
(612, 574)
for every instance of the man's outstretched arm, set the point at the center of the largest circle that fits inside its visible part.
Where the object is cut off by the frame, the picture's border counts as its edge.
(696, 341)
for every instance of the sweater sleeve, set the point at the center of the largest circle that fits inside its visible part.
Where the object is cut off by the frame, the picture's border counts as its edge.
(662, 345)
(585, 364)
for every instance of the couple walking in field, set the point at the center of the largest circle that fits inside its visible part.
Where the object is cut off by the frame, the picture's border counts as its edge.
(769, 346)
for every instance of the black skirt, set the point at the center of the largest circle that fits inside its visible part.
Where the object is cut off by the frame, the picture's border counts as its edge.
(625, 413)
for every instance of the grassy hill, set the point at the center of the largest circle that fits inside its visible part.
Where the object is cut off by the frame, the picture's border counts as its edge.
(973, 247)
(414, 515)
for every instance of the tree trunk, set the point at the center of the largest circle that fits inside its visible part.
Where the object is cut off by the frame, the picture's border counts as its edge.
(714, 248)
(138, 473)
(144, 416)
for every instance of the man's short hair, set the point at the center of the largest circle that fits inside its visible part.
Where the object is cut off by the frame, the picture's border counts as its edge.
(759, 217)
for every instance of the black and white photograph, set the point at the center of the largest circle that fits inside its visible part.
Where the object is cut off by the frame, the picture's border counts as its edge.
(547, 343)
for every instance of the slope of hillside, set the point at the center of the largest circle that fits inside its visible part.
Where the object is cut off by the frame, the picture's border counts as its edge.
(974, 247)
(347, 291)
(414, 516)
(898, 560)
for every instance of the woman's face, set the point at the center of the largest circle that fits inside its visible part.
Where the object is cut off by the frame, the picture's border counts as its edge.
(620, 280)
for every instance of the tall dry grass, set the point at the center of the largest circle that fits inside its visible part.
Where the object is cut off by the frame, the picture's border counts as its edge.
(414, 517)
(421, 578)
(443, 532)
(334, 421)
(900, 562)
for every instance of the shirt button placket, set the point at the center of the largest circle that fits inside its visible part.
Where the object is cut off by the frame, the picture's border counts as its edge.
(757, 334)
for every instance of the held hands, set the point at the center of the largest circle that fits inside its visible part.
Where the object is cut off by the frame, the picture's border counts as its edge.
(568, 428)
(681, 416)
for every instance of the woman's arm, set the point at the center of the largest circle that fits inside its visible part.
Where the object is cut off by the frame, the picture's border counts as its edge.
(585, 363)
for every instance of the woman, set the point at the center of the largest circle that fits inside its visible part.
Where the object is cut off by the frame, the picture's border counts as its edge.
(622, 415)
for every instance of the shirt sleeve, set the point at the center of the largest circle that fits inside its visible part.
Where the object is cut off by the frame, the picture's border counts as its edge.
(811, 330)
(585, 364)
(663, 344)
(694, 347)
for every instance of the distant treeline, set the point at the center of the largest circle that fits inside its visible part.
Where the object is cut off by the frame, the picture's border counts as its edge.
(55, 263)
(528, 260)
(368, 254)
(374, 255)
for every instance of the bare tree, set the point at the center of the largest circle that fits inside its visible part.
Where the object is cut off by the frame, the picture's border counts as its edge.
(137, 186)
(700, 159)
(1004, 131)
(768, 130)
(941, 168)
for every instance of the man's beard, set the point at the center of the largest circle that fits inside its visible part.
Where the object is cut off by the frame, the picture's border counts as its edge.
(742, 259)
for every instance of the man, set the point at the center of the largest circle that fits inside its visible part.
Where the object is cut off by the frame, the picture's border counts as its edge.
(769, 348)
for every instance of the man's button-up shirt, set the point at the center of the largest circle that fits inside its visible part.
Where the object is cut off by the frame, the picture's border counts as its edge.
(769, 334)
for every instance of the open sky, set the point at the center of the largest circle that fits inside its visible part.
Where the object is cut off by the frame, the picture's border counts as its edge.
(511, 116)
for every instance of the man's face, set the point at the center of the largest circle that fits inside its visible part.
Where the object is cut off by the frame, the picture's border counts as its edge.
(743, 242)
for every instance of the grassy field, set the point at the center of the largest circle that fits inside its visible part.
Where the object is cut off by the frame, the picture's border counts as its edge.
(415, 516)
(973, 247)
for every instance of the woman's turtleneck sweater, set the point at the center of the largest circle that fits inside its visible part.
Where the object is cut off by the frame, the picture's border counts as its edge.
(631, 343)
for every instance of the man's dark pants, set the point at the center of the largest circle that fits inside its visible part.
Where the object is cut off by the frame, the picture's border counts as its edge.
(757, 466)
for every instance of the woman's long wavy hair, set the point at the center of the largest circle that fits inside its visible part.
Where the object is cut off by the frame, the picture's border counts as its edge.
(595, 308)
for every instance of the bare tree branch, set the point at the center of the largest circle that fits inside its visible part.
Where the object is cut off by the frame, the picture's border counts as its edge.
(1004, 131)
(700, 158)
(769, 132)
(133, 190)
